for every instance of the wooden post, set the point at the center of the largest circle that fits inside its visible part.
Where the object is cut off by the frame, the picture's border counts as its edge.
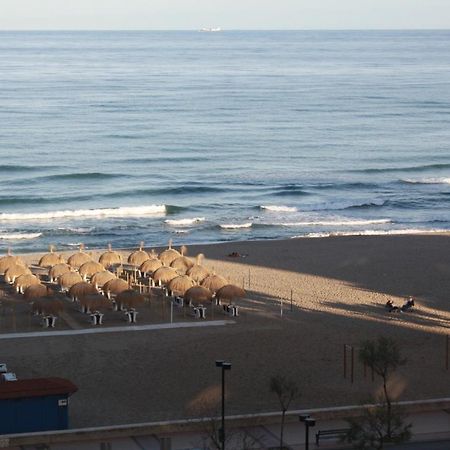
(291, 301)
(345, 360)
(281, 307)
(171, 311)
(447, 337)
(353, 364)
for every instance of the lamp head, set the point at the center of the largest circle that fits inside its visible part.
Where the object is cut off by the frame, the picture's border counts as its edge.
(310, 422)
(219, 362)
(303, 417)
(226, 366)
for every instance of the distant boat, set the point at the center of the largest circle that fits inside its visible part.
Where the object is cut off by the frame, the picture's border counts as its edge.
(211, 29)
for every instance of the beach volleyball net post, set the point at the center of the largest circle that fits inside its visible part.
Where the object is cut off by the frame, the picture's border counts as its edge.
(447, 345)
(349, 356)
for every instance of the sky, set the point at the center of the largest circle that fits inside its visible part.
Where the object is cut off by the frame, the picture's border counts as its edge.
(228, 14)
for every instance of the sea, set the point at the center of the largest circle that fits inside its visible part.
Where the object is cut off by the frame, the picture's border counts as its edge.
(122, 137)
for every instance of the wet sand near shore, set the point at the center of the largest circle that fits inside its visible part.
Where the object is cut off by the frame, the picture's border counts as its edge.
(339, 287)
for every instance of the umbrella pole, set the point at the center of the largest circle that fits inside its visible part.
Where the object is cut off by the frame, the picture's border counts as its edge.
(171, 311)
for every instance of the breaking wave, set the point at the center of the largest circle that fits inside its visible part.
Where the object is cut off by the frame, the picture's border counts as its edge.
(132, 211)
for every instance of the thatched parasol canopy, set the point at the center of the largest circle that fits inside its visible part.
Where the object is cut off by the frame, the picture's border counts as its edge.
(35, 291)
(48, 305)
(50, 259)
(130, 298)
(95, 302)
(198, 272)
(14, 271)
(78, 259)
(181, 264)
(23, 281)
(138, 257)
(150, 265)
(198, 295)
(167, 256)
(57, 270)
(81, 289)
(9, 260)
(100, 278)
(180, 284)
(230, 292)
(115, 286)
(67, 280)
(110, 258)
(164, 274)
(214, 282)
(90, 268)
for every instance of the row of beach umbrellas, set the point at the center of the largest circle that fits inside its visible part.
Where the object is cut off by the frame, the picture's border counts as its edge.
(171, 268)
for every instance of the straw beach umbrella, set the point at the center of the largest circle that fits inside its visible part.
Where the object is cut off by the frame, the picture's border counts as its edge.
(149, 266)
(36, 291)
(14, 271)
(110, 258)
(214, 282)
(50, 259)
(138, 257)
(163, 275)
(182, 264)
(115, 287)
(23, 281)
(198, 272)
(9, 260)
(100, 278)
(57, 270)
(197, 295)
(230, 292)
(67, 280)
(81, 289)
(167, 256)
(90, 268)
(78, 259)
(94, 302)
(130, 298)
(180, 284)
(48, 305)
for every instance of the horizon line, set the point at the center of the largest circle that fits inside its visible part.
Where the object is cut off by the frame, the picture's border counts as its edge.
(221, 30)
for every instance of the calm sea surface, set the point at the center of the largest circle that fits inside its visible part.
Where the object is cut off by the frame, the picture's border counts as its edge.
(203, 137)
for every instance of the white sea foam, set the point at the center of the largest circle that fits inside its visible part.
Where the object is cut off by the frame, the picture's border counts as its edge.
(334, 223)
(184, 222)
(19, 236)
(281, 208)
(132, 211)
(372, 233)
(236, 226)
(440, 180)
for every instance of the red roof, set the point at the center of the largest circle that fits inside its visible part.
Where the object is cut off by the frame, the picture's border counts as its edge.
(36, 387)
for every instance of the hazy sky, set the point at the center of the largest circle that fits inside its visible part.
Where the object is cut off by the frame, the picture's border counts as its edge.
(228, 14)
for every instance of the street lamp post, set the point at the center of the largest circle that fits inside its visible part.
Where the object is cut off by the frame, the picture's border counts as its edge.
(309, 422)
(225, 366)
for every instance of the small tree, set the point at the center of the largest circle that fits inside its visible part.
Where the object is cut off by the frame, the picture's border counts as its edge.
(286, 390)
(382, 423)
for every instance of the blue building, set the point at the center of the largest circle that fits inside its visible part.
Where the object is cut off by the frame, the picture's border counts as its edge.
(37, 404)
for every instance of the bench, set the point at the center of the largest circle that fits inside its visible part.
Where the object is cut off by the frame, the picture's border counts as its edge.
(331, 434)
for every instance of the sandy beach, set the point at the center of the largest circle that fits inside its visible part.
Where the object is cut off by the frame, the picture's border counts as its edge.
(339, 287)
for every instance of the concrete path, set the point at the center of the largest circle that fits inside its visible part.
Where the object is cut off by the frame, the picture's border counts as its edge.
(98, 330)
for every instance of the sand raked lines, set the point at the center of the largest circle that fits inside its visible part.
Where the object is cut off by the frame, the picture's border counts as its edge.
(160, 326)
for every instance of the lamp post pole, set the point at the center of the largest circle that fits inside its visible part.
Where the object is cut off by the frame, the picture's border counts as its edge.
(225, 366)
(309, 422)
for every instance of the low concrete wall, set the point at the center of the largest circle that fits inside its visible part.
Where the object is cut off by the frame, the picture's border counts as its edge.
(179, 426)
